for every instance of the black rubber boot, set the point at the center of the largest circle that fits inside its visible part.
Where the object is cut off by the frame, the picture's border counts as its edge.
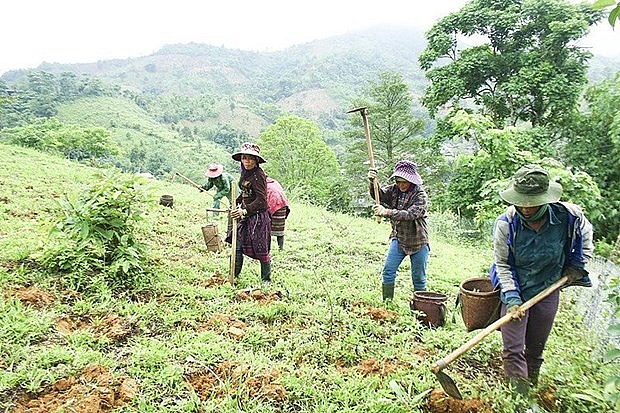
(265, 271)
(280, 239)
(238, 262)
(388, 292)
(532, 376)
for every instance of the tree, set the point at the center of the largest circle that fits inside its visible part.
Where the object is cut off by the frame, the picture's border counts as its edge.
(395, 133)
(524, 68)
(394, 130)
(594, 146)
(614, 13)
(477, 178)
(301, 160)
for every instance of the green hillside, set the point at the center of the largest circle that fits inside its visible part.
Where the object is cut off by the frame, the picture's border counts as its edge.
(163, 149)
(317, 339)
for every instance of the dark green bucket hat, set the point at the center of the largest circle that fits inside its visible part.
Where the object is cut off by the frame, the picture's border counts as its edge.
(531, 187)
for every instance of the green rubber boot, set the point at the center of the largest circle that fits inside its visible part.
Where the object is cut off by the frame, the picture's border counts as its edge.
(532, 376)
(388, 292)
(519, 385)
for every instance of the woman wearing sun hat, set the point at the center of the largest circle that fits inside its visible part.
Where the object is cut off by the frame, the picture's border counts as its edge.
(222, 181)
(537, 240)
(252, 210)
(404, 202)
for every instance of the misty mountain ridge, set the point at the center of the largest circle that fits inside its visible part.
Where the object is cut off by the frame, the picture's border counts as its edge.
(317, 80)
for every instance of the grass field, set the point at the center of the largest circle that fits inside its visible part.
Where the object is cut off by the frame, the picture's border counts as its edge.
(316, 339)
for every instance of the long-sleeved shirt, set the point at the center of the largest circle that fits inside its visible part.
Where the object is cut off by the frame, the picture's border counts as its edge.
(222, 185)
(253, 184)
(528, 261)
(407, 213)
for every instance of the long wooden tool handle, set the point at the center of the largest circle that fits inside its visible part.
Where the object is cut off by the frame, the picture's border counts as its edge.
(371, 158)
(233, 254)
(217, 210)
(190, 181)
(441, 364)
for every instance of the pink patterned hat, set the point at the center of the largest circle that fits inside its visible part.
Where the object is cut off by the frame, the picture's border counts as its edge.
(407, 170)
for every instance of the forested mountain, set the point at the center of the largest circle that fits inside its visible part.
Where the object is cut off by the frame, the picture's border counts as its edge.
(249, 90)
(187, 105)
(315, 80)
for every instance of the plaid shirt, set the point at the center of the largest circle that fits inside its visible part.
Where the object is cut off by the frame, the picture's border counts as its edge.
(407, 215)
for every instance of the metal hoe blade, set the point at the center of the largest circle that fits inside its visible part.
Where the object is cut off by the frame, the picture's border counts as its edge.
(448, 385)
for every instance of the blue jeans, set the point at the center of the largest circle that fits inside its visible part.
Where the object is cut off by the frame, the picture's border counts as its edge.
(395, 257)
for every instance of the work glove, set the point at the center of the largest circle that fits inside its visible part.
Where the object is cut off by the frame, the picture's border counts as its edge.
(372, 174)
(513, 303)
(381, 211)
(574, 274)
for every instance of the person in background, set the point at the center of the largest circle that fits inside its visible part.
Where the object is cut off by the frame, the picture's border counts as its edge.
(222, 181)
(252, 210)
(405, 204)
(279, 209)
(536, 241)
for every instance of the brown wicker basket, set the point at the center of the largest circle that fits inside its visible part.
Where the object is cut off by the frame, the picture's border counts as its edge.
(429, 307)
(479, 303)
(212, 239)
(166, 200)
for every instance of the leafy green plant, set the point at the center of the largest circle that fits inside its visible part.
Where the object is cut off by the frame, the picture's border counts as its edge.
(95, 238)
(610, 393)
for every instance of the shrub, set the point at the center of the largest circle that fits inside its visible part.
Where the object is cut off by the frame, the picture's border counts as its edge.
(94, 238)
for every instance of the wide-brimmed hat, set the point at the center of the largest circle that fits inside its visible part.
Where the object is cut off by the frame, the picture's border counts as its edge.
(249, 148)
(407, 170)
(214, 170)
(531, 187)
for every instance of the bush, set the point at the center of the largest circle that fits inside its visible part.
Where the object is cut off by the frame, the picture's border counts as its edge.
(94, 239)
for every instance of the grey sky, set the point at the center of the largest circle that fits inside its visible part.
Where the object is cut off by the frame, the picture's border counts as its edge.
(78, 31)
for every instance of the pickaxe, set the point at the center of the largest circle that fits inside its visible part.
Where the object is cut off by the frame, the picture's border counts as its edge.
(364, 112)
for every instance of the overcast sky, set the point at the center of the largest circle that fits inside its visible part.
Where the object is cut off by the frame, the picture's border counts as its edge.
(82, 31)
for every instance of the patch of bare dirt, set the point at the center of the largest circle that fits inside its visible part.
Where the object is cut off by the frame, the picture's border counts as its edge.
(440, 402)
(547, 399)
(112, 326)
(215, 280)
(375, 313)
(258, 295)
(234, 379)
(94, 391)
(227, 325)
(373, 367)
(23, 214)
(32, 296)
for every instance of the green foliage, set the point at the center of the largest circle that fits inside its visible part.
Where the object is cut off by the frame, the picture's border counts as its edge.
(614, 13)
(299, 159)
(594, 146)
(526, 69)
(71, 141)
(95, 237)
(477, 178)
(610, 393)
(176, 108)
